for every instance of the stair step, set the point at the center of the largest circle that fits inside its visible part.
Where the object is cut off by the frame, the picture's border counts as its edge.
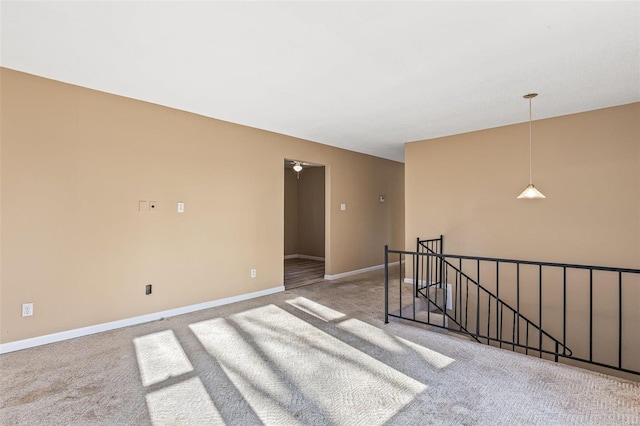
(436, 299)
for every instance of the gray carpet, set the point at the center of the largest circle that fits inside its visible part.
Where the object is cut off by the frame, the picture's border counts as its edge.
(315, 355)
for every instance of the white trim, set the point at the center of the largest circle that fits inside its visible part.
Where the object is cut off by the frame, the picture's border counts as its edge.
(304, 256)
(358, 271)
(98, 328)
(410, 281)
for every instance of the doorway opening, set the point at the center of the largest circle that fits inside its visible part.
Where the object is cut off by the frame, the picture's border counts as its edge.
(304, 223)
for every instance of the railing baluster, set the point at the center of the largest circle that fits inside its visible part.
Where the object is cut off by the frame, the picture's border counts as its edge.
(443, 276)
(430, 278)
(564, 310)
(501, 320)
(466, 306)
(498, 332)
(400, 283)
(415, 296)
(540, 309)
(439, 245)
(459, 289)
(428, 288)
(489, 315)
(456, 296)
(513, 333)
(518, 300)
(619, 319)
(478, 301)
(590, 315)
(423, 269)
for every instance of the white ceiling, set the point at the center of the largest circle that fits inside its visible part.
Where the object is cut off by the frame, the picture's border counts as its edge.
(366, 76)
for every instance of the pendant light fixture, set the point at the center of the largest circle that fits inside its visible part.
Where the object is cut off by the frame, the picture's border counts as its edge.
(530, 191)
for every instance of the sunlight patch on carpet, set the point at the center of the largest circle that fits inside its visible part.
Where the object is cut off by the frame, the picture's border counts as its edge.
(160, 356)
(378, 337)
(317, 310)
(184, 403)
(371, 334)
(283, 366)
(434, 358)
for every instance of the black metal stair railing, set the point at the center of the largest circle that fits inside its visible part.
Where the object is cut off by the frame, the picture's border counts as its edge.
(537, 308)
(462, 316)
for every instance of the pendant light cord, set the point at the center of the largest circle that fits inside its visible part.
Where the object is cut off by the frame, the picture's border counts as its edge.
(530, 167)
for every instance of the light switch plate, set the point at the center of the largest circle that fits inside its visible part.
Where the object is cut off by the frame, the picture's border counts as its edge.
(180, 207)
(343, 207)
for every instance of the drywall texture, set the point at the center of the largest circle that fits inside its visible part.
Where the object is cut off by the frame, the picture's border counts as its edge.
(79, 244)
(588, 166)
(305, 212)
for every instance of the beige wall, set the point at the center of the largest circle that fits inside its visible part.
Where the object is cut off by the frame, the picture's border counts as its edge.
(305, 212)
(588, 166)
(76, 162)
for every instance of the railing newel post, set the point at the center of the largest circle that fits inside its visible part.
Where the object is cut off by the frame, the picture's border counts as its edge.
(386, 284)
(416, 271)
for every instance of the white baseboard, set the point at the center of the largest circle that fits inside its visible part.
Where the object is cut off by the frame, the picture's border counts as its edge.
(98, 328)
(358, 271)
(304, 256)
(410, 281)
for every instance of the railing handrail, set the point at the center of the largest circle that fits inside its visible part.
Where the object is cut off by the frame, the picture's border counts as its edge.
(533, 262)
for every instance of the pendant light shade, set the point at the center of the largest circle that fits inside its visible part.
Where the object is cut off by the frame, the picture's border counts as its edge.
(530, 192)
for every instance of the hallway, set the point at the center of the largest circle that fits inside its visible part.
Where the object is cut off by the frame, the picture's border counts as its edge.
(300, 272)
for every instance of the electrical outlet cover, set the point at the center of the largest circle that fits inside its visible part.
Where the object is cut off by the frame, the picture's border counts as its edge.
(27, 309)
